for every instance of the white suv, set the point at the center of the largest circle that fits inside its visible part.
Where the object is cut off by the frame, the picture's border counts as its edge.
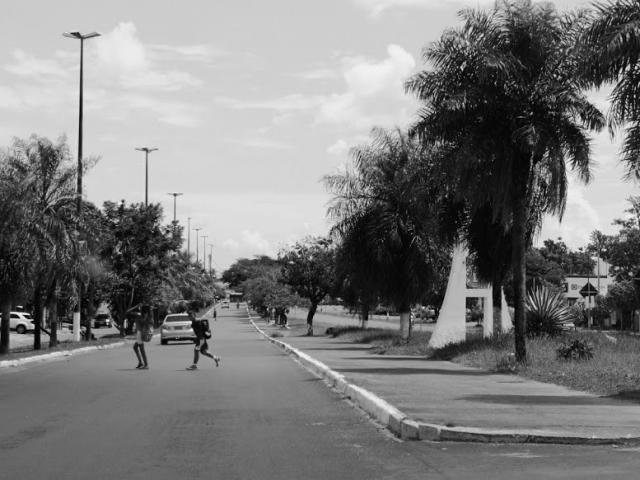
(21, 322)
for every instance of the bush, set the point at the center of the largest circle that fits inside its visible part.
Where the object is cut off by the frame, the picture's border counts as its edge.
(546, 312)
(575, 350)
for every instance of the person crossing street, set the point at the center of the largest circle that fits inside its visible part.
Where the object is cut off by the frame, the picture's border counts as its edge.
(203, 332)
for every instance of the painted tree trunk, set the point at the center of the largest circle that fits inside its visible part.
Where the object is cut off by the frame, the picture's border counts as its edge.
(312, 312)
(519, 278)
(405, 318)
(496, 294)
(4, 326)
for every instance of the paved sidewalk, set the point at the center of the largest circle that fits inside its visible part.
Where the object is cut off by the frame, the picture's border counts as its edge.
(447, 394)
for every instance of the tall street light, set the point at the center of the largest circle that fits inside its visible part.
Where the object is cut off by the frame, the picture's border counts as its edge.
(189, 238)
(210, 256)
(197, 230)
(204, 252)
(82, 38)
(146, 151)
(175, 195)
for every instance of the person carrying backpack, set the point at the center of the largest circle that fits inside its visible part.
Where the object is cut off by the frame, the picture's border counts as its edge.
(203, 333)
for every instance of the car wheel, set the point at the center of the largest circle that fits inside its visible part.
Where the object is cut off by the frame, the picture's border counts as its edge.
(21, 329)
(164, 342)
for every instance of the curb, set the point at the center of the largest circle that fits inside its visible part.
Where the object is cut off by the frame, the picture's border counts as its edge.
(406, 428)
(54, 355)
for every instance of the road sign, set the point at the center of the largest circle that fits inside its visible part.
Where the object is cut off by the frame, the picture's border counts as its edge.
(589, 290)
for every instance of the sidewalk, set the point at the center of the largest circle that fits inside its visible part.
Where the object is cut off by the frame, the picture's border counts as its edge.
(464, 403)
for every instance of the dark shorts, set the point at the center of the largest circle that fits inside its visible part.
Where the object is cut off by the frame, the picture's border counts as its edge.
(201, 344)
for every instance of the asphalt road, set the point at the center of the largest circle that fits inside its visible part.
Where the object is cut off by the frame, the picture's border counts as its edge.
(258, 416)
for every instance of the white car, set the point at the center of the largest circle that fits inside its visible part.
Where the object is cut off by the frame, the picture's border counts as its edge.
(21, 322)
(176, 326)
(224, 304)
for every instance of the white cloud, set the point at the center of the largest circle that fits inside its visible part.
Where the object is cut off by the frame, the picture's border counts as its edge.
(376, 7)
(251, 243)
(192, 53)
(373, 95)
(339, 148)
(262, 143)
(27, 65)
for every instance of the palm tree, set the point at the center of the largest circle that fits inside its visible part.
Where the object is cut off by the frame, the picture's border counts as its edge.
(612, 55)
(503, 99)
(381, 205)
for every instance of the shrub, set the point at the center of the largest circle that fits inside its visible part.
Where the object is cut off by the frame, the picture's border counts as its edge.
(546, 312)
(575, 350)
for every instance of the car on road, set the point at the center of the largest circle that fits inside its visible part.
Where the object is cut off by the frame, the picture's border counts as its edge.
(176, 326)
(21, 322)
(102, 320)
(224, 304)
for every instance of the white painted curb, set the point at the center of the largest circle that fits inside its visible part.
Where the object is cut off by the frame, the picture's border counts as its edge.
(407, 429)
(54, 355)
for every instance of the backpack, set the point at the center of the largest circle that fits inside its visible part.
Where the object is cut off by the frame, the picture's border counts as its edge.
(204, 328)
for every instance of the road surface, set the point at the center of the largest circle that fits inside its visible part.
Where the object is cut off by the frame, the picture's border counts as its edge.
(258, 416)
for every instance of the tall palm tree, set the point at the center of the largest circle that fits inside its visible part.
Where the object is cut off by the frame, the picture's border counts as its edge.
(381, 203)
(504, 98)
(612, 55)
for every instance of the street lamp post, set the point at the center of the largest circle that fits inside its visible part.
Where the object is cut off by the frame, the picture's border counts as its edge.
(82, 38)
(197, 230)
(204, 252)
(146, 151)
(175, 195)
(189, 238)
(210, 256)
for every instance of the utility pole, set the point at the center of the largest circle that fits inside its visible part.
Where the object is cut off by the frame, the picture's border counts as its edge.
(175, 195)
(82, 38)
(189, 238)
(146, 151)
(197, 244)
(204, 252)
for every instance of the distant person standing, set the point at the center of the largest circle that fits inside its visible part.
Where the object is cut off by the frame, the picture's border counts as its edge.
(144, 334)
(215, 315)
(203, 332)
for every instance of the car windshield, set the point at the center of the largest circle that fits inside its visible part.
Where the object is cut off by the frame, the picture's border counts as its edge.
(176, 318)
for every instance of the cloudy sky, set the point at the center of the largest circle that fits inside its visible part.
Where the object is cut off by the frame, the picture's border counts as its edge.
(250, 103)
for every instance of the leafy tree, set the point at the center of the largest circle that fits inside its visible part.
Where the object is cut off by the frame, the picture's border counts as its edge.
(138, 251)
(612, 55)
(388, 203)
(503, 98)
(245, 268)
(308, 267)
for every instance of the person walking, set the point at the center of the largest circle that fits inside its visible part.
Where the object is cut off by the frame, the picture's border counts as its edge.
(144, 333)
(203, 332)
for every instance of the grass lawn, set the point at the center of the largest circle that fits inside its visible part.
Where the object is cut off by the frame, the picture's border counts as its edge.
(613, 370)
(62, 346)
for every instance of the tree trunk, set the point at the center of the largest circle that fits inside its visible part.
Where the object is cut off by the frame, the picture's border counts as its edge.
(405, 317)
(365, 315)
(37, 318)
(4, 326)
(312, 312)
(496, 294)
(53, 321)
(519, 277)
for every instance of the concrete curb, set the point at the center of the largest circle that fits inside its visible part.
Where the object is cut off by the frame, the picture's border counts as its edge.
(406, 428)
(18, 362)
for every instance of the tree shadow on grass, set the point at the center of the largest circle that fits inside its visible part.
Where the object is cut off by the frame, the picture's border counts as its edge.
(569, 400)
(415, 371)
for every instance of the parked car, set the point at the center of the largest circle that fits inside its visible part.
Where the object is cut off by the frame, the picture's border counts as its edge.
(21, 322)
(102, 320)
(224, 304)
(176, 326)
